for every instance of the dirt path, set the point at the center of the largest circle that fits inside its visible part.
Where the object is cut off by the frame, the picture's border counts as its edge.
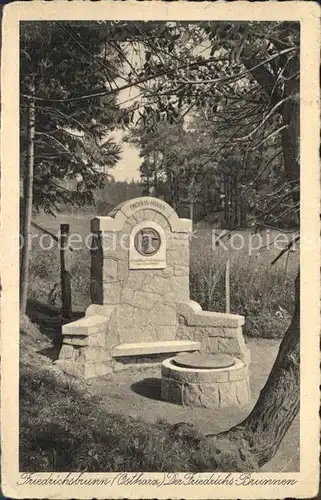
(137, 394)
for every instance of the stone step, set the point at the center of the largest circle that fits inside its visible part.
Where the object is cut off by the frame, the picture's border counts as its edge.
(143, 348)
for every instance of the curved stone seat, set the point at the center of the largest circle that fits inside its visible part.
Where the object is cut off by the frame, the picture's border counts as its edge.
(217, 332)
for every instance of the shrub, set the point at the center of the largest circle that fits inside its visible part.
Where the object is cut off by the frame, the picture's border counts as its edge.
(44, 282)
(259, 291)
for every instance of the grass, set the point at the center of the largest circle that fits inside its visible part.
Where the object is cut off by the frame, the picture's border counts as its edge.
(64, 428)
(261, 292)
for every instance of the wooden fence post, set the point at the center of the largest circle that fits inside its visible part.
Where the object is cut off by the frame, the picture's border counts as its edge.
(286, 265)
(65, 272)
(227, 286)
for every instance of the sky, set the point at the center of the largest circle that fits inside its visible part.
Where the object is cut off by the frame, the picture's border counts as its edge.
(128, 167)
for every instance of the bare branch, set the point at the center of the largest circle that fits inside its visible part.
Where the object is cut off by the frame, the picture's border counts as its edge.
(240, 75)
(163, 73)
(288, 246)
(55, 140)
(248, 136)
(67, 31)
(269, 137)
(296, 181)
(259, 175)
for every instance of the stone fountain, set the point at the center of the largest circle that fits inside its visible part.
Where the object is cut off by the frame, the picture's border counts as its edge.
(142, 315)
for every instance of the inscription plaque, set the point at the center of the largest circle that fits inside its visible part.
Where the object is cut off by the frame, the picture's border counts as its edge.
(147, 246)
(147, 241)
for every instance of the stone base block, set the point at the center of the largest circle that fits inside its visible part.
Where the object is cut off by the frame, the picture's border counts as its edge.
(97, 369)
(208, 388)
(70, 367)
(83, 370)
(145, 365)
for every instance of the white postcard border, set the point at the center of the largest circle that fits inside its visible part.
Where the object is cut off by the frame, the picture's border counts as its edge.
(308, 14)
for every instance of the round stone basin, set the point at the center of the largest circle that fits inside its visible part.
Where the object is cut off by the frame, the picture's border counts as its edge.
(198, 360)
(209, 381)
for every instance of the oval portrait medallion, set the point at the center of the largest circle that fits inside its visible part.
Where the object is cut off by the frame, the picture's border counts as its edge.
(147, 241)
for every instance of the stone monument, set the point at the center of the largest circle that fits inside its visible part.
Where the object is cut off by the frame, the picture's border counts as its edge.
(141, 311)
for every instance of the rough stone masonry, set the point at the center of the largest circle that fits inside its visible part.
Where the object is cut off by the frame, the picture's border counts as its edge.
(141, 309)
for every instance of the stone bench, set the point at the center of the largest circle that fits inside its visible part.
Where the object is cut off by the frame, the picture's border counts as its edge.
(148, 354)
(88, 351)
(91, 346)
(163, 347)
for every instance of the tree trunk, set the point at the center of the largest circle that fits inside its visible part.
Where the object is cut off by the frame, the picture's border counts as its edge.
(226, 210)
(65, 278)
(155, 185)
(291, 134)
(253, 442)
(173, 189)
(27, 205)
(155, 176)
(191, 210)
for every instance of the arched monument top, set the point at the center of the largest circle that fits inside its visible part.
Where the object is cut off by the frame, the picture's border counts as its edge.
(130, 207)
(115, 220)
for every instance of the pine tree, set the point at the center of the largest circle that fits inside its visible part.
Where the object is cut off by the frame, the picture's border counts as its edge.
(72, 140)
(62, 141)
